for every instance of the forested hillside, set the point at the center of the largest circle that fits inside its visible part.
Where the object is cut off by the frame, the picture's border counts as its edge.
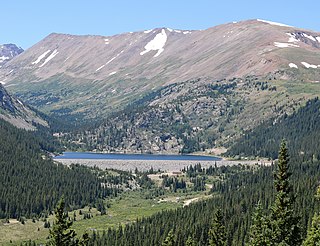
(31, 183)
(235, 190)
(301, 130)
(236, 195)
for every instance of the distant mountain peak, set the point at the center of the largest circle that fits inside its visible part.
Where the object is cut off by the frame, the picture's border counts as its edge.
(8, 51)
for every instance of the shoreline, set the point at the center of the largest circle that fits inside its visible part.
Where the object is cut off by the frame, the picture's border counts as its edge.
(144, 165)
(137, 154)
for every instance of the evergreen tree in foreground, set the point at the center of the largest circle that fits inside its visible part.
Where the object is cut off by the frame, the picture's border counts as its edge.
(61, 235)
(169, 241)
(217, 233)
(260, 233)
(313, 237)
(284, 224)
(190, 242)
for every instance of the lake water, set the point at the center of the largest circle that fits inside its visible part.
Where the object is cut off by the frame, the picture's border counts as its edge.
(100, 156)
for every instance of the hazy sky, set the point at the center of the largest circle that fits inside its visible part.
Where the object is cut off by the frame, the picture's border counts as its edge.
(26, 22)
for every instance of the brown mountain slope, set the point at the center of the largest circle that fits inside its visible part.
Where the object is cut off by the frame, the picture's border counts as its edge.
(96, 74)
(16, 113)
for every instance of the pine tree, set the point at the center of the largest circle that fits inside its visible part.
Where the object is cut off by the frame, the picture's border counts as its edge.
(217, 234)
(84, 240)
(61, 234)
(313, 236)
(169, 241)
(284, 224)
(190, 242)
(259, 231)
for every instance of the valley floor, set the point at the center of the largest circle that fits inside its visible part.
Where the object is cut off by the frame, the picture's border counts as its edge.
(123, 209)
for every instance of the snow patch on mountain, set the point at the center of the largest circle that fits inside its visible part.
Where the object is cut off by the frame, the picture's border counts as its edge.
(111, 59)
(284, 45)
(307, 65)
(106, 41)
(3, 58)
(112, 73)
(99, 68)
(318, 38)
(20, 102)
(157, 43)
(292, 38)
(292, 65)
(41, 57)
(309, 37)
(148, 31)
(273, 23)
(178, 31)
(51, 56)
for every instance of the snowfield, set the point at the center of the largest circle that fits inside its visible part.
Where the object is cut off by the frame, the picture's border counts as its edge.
(156, 44)
(41, 57)
(284, 45)
(50, 57)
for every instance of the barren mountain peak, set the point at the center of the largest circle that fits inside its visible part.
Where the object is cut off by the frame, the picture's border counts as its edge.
(7, 52)
(273, 23)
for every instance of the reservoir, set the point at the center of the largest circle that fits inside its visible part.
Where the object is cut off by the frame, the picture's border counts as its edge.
(151, 157)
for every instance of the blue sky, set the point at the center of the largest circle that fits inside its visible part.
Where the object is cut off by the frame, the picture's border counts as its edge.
(27, 22)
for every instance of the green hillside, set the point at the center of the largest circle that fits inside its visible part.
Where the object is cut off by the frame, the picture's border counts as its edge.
(31, 183)
(196, 115)
(301, 130)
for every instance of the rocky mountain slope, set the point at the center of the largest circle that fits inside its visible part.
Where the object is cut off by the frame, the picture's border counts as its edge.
(17, 113)
(90, 76)
(7, 52)
(197, 115)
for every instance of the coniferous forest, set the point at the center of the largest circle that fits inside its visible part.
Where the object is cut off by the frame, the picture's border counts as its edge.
(268, 205)
(31, 183)
(301, 130)
(237, 197)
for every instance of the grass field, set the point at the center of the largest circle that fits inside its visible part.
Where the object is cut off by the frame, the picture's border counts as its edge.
(123, 209)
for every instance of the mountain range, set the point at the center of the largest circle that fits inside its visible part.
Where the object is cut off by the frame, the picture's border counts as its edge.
(235, 90)
(93, 75)
(167, 90)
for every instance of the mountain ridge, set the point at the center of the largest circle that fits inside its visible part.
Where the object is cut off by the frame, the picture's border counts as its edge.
(7, 52)
(92, 75)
